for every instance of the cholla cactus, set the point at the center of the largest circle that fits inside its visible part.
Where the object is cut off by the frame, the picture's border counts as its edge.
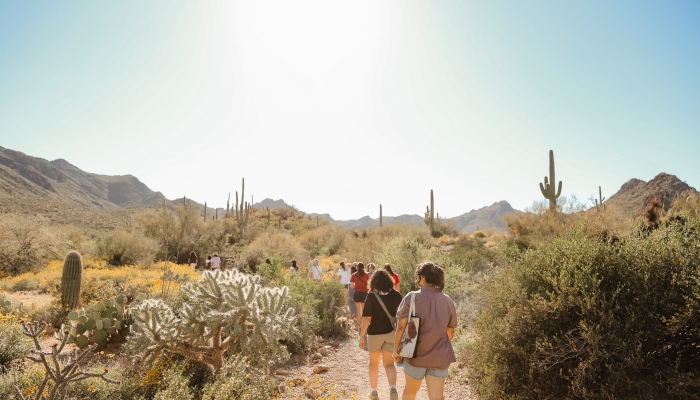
(61, 373)
(222, 310)
(5, 304)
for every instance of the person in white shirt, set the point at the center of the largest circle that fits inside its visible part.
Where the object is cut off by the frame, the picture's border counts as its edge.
(344, 275)
(316, 271)
(215, 261)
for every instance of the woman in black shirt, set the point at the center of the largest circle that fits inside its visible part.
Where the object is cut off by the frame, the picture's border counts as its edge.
(380, 330)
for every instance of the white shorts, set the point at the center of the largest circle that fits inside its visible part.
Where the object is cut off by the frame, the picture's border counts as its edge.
(193, 265)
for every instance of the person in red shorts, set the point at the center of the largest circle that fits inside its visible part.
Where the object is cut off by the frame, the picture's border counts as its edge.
(359, 281)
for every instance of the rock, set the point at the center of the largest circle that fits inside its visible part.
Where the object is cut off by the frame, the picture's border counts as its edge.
(282, 372)
(316, 356)
(335, 344)
(319, 369)
(281, 387)
(312, 393)
(316, 361)
(325, 351)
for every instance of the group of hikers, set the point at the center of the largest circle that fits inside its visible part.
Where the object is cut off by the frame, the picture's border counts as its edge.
(382, 316)
(214, 262)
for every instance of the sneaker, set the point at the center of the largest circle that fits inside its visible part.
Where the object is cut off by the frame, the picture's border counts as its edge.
(393, 395)
(375, 396)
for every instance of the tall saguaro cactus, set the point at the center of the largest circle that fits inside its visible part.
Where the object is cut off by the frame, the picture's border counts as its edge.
(599, 201)
(381, 221)
(205, 211)
(242, 211)
(548, 188)
(72, 281)
(227, 204)
(430, 213)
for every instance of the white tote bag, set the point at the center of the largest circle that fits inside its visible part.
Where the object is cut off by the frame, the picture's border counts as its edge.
(407, 346)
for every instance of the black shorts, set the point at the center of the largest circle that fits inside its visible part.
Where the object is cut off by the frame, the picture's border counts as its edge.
(359, 297)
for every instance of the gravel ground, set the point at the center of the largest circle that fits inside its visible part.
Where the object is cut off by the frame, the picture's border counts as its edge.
(347, 378)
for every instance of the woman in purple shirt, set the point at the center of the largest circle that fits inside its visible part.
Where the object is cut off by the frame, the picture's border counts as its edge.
(438, 319)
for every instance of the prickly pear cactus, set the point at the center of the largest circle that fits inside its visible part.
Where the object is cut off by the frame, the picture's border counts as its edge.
(104, 322)
(222, 310)
(72, 281)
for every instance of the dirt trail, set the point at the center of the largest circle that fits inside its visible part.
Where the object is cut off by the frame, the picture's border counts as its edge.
(347, 378)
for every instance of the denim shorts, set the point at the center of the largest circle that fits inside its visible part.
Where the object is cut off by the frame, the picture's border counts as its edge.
(418, 373)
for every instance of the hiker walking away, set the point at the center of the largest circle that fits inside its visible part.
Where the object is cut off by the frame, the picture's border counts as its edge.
(394, 276)
(215, 262)
(378, 316)
(359, 281)
(438, 320)
(344, 279)
(316, 271)
(351, 292)
(208, 262)
(294, 267)
(371, 269)
(192, 260)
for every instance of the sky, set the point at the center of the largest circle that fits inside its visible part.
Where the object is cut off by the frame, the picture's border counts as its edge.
(339, 106)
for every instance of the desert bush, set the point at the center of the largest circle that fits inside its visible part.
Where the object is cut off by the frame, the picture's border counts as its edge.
(13, 344)
(325, 240)
(325, 299)
(404, 253)
(276, 244)
(538, 221)
(24, 244)
(126, 248)
(238, 381)
(685, 205)
(579, 317)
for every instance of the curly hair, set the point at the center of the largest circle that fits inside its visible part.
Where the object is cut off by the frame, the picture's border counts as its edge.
(381, 282)
(433, 274)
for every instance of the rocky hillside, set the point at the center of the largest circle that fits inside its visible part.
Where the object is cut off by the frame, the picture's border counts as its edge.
(636, 195)
(483, 218)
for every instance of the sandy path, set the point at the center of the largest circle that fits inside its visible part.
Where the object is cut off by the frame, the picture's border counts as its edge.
(347, 378)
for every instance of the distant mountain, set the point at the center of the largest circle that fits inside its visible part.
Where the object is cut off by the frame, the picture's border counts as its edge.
(273, 204)
(636, 195)
(483, 218)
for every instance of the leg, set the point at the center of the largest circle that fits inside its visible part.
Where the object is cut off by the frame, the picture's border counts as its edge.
(374, 368)
(435, 387)
(358, 313)
(411, 389)
(389, 367)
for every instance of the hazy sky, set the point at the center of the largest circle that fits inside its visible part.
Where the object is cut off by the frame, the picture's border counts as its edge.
(340, 106)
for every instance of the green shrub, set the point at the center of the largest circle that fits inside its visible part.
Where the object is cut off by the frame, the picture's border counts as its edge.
(238, 381)
(404, 253)
(13, 344)
(581, 317)
(324, 300)
(126, 248)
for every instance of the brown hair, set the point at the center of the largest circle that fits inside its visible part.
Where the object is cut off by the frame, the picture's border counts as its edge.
(381, 282)
(433, 274)
(360, 269)
(388, 269)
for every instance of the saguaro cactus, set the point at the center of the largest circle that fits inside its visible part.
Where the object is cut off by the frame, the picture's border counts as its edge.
(227, 204)
(381, 222)
(548, 189)
(205, 211)
(72, 281)
(242, 211)
(599, 201)
(430, 213)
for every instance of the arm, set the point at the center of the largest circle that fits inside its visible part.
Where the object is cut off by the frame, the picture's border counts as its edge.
(397, 339)
(365, 324)
(450, 333)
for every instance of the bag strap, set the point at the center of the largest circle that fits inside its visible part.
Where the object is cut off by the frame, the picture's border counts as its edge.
(412, 309)
(381, 303)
